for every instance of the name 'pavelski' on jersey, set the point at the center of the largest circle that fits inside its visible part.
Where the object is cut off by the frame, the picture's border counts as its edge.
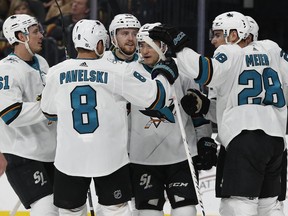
(83, 76)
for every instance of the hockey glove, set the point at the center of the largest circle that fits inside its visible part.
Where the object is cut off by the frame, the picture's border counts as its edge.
(167, 68)
(170, 35)
(207, 154)
(194, 102)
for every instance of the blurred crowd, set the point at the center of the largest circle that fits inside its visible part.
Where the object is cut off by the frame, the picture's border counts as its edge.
(57, 30)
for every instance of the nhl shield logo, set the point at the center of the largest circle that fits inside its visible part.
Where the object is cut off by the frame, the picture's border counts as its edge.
(117, 194)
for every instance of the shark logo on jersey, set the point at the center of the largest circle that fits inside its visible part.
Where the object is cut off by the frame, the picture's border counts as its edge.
(164, 115)
(229, 15)
(11, 59)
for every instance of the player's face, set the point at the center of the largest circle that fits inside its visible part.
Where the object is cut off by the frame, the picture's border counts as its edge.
(126, 39)
(35, 39)
(217, 38)
(149, 55)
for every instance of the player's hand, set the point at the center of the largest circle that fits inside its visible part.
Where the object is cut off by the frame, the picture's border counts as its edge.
(207, 154)
(3, 164)
(167, 68)
(194, 102)
(170, 35)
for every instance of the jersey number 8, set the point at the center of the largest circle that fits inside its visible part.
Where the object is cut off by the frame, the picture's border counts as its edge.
(85, 115)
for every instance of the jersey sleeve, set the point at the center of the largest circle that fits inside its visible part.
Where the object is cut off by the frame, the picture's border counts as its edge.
(210, 71)
(152, 94)
(284, 65)
(14, 111)
(47, 102)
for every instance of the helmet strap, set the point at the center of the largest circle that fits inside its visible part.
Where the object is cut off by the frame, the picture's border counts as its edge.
(27, 45)
(28, 48)
(151, 43)
(104, 48)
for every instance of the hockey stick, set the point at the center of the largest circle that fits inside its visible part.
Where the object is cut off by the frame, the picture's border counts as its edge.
(188, 153)
(90, 202)
(63, 30)
(16, 207)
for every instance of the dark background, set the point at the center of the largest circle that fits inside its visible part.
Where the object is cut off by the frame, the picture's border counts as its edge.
(271, 16)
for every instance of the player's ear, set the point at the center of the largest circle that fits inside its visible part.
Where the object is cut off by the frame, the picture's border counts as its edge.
(100, 47)
(233, 36)
(21, 36)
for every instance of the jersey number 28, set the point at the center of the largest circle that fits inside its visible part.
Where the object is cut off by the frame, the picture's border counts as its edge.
(271, 85)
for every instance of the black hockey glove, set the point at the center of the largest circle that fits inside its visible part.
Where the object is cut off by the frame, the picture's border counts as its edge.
(167, 68)
(170, 35)
(207, 154)
(194, 102)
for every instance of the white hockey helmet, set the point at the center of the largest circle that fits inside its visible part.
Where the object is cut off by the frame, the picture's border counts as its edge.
(254, 28)
(232, 20)
(17, 23)
(87, 33)
(123, 21)
(143, 36)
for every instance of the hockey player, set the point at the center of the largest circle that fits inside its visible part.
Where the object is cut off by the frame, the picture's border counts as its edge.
(250, 84)
(252, 38)
(123, 30)
(157, 154)
(254, 29)
(88, 95)
(217, 40)
(28, 139)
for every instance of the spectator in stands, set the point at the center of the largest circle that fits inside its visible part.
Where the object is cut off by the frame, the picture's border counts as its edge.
(20, 7)
(53, 10)
(47, 4)
(80, 9)
(3, 10)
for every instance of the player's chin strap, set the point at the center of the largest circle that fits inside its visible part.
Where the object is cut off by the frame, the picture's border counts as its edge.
(158, 49)
(99, 55)
(227, 42)
(27, 45)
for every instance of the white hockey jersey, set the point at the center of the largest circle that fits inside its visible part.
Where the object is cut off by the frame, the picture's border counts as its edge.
(249, 84)
(89, 98)
(24, 130)
(158, 142)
